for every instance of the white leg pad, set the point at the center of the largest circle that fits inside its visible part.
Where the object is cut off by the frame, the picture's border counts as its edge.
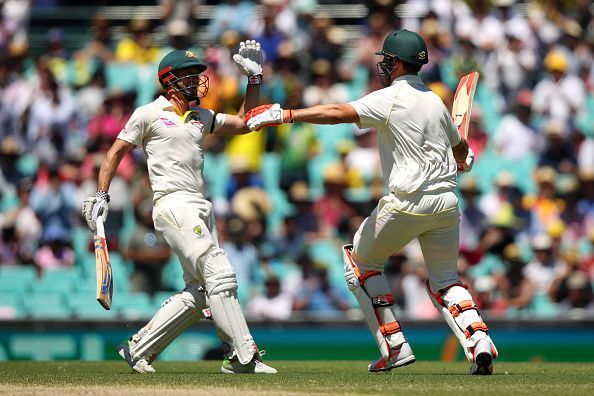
(457, 307)
(221, 287)
(372, 291)
(176, 314)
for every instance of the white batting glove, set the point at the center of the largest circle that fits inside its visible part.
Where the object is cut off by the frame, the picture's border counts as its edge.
(95, 206)
(267, 115)
(249, 60)
(466, 166)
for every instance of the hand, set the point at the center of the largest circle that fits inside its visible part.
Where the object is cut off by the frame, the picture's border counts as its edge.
(249, 60)
(267, 115)
(95, 206)
(466, 166)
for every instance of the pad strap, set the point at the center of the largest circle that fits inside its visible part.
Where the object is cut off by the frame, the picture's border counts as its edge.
(367, 275)
(462, 306)
(438, 294)
(390, 328)
(473, 328)
(383, 301)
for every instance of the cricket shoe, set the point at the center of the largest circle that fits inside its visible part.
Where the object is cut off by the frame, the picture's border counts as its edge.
(141, 365)
(483, 358)
(256, 366)
(398, 358)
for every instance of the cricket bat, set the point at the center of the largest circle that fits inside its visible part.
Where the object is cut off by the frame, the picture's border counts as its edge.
(462, 106)
(103, 267)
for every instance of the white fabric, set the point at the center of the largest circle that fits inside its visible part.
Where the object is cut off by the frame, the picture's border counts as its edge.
(559, 99)
(586, 156)
(374, 286)
(433, 219)
(221, 288)
(176, 314)
(515, 140)
(172, 144)
(415, 133)
(455, 295)
(249, 58)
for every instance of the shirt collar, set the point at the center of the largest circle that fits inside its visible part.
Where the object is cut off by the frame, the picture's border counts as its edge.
(163, 103)
(411, 79)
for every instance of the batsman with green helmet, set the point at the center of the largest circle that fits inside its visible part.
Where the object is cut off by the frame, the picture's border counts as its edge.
(171, 131)
(421, 151)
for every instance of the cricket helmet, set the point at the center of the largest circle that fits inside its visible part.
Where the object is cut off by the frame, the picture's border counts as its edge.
(405, 46)
(191, 86)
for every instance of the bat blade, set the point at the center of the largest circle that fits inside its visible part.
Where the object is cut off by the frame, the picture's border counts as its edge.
(463, 98)
(103, 268)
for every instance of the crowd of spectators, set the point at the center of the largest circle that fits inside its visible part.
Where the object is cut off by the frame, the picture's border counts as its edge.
(286, 198)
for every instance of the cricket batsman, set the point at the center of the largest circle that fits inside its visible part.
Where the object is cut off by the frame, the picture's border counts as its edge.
(421, 151)
(171, 131)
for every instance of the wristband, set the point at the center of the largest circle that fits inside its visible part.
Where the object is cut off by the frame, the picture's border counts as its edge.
(288, 117)
(256, 79)
(102, 195)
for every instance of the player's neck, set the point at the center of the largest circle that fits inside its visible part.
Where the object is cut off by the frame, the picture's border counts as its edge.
(180, 104)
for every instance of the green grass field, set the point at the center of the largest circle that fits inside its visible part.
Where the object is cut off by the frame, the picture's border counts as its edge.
(295, 377)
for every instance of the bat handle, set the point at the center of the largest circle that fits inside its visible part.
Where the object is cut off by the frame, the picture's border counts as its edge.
(100, 227)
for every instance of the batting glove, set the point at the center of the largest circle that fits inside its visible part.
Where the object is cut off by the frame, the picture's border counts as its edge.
(267, 115)
(93, 207)
(249, 61)
(466, 166)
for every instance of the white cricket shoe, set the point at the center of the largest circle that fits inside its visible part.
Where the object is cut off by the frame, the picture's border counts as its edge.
(398, 358)
(484, 353)
(256, 366)
(141, 365)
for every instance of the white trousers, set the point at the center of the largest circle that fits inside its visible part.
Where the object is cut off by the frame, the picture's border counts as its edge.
(187, 223)
(432, 218)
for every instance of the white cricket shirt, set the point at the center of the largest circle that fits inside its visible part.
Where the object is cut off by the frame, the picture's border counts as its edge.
(415, 136)
(172, 144)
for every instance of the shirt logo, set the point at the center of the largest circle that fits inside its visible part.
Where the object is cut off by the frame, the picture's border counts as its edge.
(195, 121)
(167, 122)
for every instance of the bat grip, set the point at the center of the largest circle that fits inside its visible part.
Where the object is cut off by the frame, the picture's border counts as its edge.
(100, 227)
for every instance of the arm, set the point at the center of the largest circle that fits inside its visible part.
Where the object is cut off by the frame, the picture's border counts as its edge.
(460, 151)
(96, 206)
(116, 152)
(330, 114)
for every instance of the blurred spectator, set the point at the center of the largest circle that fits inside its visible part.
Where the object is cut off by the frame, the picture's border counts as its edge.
(10, 174)
(543, 269)
(100, 46)
(178, 10)
(515, 137)
(243, 254)
(559, 95)
(494, 202)
(477, 137)
(363, 159)
(317, 295)
(241, 176)
(55, 252)
(571, 287)
(306, 220)
(92, 96)
(516, 289)
(332, 209)
(298, 145)
(232, 15)
(147, 251)
(273, 304)
(545, 208)
(472, 219)
(325, 89)
(558, 154)
(54, 202)
(25, 225)
(139, 47)
(51, 111)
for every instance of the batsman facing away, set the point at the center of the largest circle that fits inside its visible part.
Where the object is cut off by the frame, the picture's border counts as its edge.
(421, 151)
(171, 133)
